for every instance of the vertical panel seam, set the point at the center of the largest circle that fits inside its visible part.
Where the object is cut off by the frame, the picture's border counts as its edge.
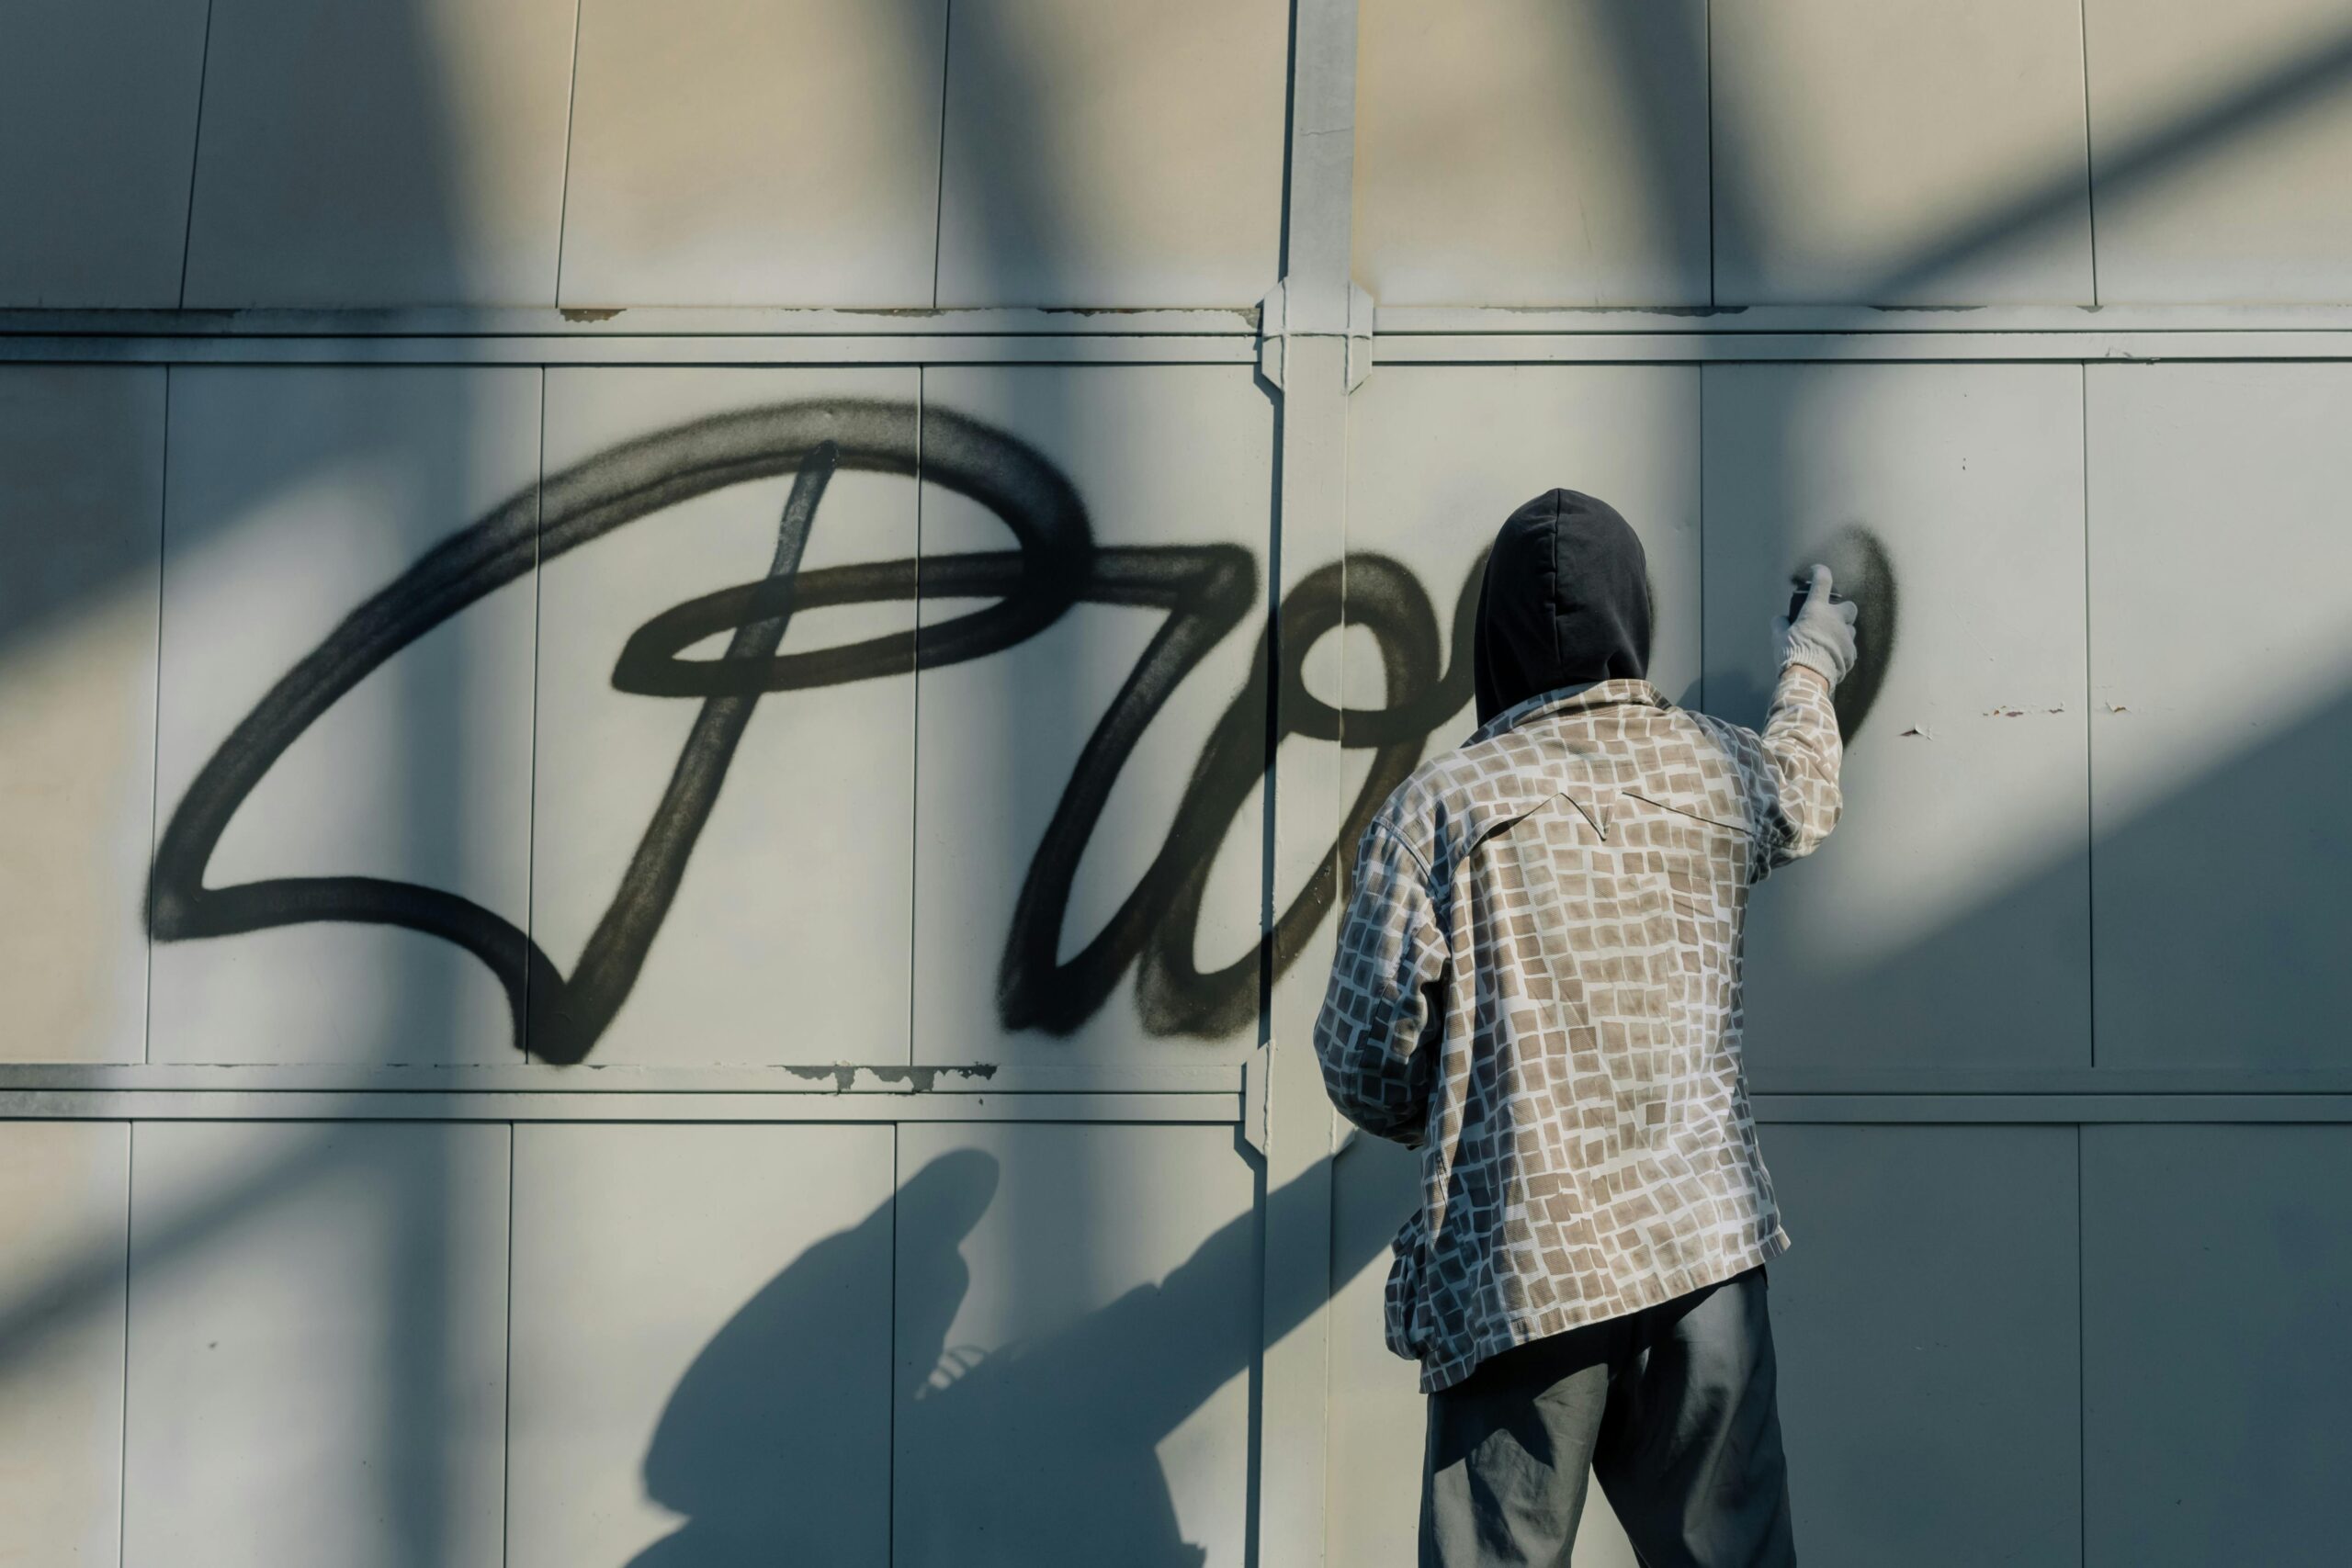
(563, 196)
(1290, 157)
(531, 768)
(2090, 748)
(122, 1451)
(1328, 1218)
(156, 753)
(890, 1371)
(1702, 455)
(1707, 37)
(1270, 850)
(2082, 1373)
(1253, 1436)
(914, 740)
(194, 152)
(2091, 179)
(939, 165)
(506, 1446)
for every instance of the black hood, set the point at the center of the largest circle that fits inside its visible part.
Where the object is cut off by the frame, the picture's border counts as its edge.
(1565, 602)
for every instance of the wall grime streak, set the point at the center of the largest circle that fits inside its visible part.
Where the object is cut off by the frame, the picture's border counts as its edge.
(1206, 591)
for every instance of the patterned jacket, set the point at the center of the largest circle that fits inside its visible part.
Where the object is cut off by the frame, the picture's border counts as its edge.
(1538, 987)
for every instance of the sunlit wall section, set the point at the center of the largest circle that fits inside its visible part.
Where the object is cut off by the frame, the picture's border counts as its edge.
(2218, 135)
(750, 153)
(2218, 845)
(1899, 153)
(63, 1239)
(1762, 152)
(1112, 155)
(1530, 153)
(81, 535)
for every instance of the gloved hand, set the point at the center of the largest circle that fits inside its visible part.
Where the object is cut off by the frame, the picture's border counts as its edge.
(1822, 637)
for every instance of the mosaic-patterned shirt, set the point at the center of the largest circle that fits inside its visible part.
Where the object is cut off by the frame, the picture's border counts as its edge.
(1538, 987)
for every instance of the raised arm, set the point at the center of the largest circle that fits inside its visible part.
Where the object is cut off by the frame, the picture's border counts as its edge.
(1794, 796)
(1376, 1037)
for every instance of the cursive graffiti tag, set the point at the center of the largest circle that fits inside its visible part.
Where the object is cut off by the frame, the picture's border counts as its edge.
(1205, 593)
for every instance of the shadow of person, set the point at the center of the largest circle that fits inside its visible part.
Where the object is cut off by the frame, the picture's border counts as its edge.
(744, 1449)
(1036, 1452)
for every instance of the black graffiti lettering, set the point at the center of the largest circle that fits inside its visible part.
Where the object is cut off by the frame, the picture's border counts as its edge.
(565, 1028)
(1203, 594)
(573, 508)
(1158, 925)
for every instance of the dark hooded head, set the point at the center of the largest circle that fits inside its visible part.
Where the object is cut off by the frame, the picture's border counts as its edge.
(1565, 602)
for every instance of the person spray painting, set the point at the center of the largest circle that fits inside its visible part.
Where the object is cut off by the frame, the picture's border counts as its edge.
(1538, 987)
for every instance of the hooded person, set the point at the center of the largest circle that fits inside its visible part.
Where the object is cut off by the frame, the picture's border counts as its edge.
(1537, 986)
(1564, 602)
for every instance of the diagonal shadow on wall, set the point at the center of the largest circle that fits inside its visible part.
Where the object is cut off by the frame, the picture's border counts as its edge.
(741, 1449)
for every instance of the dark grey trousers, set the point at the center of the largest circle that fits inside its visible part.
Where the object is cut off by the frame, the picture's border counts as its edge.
(1672, 1407)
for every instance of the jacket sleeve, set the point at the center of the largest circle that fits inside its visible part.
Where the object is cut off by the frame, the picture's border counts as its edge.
(1377, 1035)
(1791, 771)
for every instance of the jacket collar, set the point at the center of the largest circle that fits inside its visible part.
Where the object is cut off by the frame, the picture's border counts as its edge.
(1569, 700)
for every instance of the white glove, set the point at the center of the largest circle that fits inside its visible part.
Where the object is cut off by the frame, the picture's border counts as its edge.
(1822, 637)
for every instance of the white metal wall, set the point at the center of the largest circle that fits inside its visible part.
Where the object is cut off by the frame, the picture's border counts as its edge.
(924, 1196)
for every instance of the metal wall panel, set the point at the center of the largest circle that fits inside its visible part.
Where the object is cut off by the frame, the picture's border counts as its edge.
(64, 1221)
(702, 1345)
(1076, 1319)
(2216, 1273)
(2247, 205)
(1112, 155)
(788, 937)
(1532, 152)
(380, 153)
(746, 152)
(97, 129)
(81, 535)
(1927, 1330)
(1175, 461)
(317, 1345)
(293, 497)
(1960, 853)
(1855, 158)
(2222, 847)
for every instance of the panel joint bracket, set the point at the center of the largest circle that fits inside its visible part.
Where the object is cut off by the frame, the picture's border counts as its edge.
(1255, 1073)
(1281, 318)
